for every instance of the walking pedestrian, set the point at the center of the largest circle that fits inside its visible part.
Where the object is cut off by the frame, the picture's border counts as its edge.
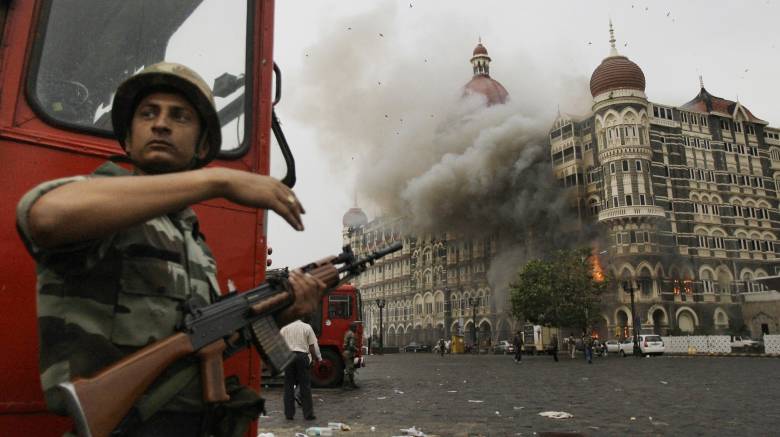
(442, 346)
(587, 342)
(554, 347)
(350, 350)
(518, 343)
(572, 345)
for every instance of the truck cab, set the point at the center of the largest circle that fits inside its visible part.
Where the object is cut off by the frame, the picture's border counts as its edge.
(339, 308)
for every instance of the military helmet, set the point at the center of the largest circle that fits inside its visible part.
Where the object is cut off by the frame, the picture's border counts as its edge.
(177, 77)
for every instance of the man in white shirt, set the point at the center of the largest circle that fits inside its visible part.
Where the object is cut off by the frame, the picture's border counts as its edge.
(302, 341)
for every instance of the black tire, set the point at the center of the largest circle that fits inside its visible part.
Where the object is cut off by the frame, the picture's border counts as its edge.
(330, 373)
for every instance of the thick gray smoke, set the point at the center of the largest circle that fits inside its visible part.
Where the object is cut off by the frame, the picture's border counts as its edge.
(396, 111)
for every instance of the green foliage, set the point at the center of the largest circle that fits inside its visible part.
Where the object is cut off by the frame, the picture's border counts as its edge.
(560, 291)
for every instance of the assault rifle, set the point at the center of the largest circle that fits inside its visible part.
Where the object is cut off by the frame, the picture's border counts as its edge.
(99, 403)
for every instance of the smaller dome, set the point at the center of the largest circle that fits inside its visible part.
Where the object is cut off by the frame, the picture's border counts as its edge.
(488, 87)
(616, 72)
(354, 217)
(480, 50)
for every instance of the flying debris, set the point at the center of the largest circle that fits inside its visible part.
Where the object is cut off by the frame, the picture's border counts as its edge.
(590, 43)
(746, 70)
(379, 83)
(381, 35)
(349, 28)
(667, 14)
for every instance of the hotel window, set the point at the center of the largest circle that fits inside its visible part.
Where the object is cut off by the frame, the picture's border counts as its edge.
(738, 127)
(775, 154)
(625, 165)
(615, 203)
(703, 120)
(629, 200)
(751, 130)
(684, 116)
(642, 199)
(612, 167)
(729, 147)
(724, 124)
(638, 165)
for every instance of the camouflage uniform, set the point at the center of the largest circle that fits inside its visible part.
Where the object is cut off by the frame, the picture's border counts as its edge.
(350, 349)
(100, 300)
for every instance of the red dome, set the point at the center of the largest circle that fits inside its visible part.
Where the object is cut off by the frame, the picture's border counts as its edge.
(490, 88)
(616, 72)
(480, 50)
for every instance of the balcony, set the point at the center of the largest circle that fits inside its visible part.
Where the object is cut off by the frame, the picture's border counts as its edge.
(632, 212)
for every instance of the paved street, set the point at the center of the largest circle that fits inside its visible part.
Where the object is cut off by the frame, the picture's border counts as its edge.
(490, 395)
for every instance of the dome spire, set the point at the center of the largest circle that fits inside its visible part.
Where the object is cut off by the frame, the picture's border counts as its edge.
(613, 51)
(701, 82)
(480, 61)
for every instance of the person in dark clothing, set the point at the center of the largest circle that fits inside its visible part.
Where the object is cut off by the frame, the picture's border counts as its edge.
(554, 347)
(518, 343)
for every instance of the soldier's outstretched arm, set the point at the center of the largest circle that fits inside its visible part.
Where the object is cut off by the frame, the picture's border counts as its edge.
(96, 207)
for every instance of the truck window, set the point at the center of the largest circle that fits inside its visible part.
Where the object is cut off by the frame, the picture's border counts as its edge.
(339, 307)
(85, 48)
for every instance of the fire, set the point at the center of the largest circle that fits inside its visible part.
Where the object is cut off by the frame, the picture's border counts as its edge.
(598, 272)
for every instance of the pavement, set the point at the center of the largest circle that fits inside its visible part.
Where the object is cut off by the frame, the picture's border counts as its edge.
(490, 395)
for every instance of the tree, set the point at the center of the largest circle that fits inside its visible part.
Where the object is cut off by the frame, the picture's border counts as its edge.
(561, 291)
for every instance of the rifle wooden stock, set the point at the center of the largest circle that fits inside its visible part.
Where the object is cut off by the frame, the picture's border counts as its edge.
(99, 403)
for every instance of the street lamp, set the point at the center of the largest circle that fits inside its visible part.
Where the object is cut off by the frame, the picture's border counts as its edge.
(473, 301)
(628, 287)
(381, 304)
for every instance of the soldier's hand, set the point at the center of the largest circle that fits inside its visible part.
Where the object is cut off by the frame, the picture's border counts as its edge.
(308, 292)
(258, 191)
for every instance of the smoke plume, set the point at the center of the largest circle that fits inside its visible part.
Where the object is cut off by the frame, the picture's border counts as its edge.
(395, 109)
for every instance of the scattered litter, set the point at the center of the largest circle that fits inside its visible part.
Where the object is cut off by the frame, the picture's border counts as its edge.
(556, 414)
(413, 432)
(338, 426)
(585, 378)
(398, 392)
(381, 398)
(319, 431)
(464, 381)
(664, 382)
(517, 408)
(266, 434)
(651, 418)
(373, 428)
(498, 413)
(633, 418)
(594, 427)
(475, 401)
(300, 434)
(452, 391)
(618, 389)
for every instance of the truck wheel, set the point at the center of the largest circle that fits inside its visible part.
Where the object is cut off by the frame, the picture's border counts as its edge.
(330, 372)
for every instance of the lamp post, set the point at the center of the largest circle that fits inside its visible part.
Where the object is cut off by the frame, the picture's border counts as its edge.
(381, 304)
(473, 301)
(628, 286)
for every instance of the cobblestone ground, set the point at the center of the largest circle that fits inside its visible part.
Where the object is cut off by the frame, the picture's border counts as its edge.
(490, 395)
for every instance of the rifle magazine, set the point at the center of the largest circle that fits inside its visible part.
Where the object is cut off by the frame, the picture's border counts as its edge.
(270, 344)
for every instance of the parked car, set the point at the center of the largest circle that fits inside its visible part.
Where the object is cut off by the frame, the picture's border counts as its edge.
(417, 347)
(648, 344)
(613, 346)
(504, 347)
(740, 342)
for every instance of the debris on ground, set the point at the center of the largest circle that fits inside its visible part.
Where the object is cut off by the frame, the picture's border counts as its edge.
(556, 414)
(399, 392)
(319, 431)
(381, 398)
(517, 408)
(266, 434)
(413, 431)
(664, 382)
(373, 428)
(473, 401)
(339, 426)
(633, 418)
(452, 391)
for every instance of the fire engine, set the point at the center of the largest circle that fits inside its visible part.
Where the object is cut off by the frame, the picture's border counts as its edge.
(339, 309)
(60, 62)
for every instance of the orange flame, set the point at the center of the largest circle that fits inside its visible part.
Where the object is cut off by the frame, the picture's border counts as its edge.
(598, 272)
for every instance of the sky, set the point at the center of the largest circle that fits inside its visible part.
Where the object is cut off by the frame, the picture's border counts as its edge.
(372, 91)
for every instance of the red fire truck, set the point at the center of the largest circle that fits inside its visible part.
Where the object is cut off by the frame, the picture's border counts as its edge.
(60, 62)
(340, 308)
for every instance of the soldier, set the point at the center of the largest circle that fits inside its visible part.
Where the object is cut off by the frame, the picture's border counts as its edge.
(350, 349)
(120, 252)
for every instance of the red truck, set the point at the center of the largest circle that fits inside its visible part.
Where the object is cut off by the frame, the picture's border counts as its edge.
(340, 308)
